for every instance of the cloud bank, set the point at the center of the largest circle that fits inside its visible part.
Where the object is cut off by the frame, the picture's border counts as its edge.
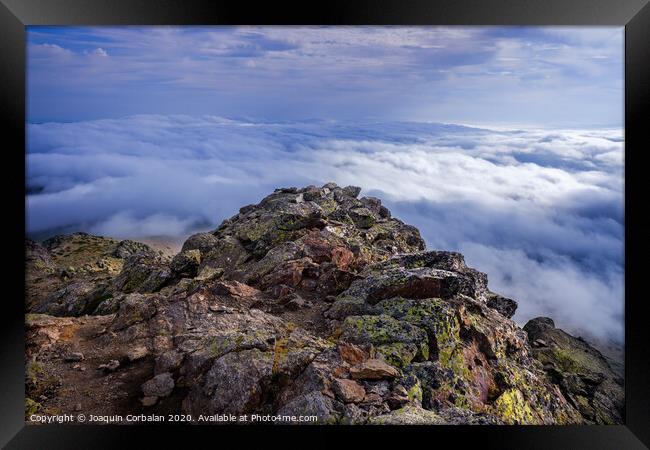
(541, 211)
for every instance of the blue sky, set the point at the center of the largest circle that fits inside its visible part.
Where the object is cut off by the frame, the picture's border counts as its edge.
(547, 76)
(503, 143)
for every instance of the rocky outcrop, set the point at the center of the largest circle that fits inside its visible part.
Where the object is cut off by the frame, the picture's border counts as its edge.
(312, 302)
(76, 274)
(581, 371)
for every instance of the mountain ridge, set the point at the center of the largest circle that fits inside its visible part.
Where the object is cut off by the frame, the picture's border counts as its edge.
(312, 302)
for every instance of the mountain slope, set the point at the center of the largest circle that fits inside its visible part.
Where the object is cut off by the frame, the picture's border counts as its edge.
(312, 302)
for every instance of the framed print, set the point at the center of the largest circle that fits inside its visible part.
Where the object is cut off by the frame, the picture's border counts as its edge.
(374, 218)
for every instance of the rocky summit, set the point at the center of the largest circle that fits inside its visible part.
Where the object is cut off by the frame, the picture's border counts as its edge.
(312, 302)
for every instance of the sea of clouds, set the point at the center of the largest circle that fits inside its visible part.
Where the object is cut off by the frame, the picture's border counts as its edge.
(540, 211)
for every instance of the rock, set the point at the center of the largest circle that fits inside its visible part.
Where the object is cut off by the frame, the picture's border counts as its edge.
(209, 273)
(74, 357)
(507, 307)
(159, 386)
(234, 289)
(203, 242)
(128, 248)
(168, 361)
(137, 353)
(384, 282)
(538, 326)
(349, 306)
(351, 191)
(143, 273)
(362, 217)
(351, 354)
(110, 366)
(581, 371)
(349, 391)
(296, 303)
(342, 257)
(77, 407)
(149, 401)
(234, 383)
(398, 398)
(135, 308)
(408, 415)
(397, 342)
(186, 264)
(373, 369)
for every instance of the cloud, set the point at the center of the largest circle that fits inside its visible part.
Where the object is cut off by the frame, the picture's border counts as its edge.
(124, 225)
(541, 211)
(583, 301)
(541, 75)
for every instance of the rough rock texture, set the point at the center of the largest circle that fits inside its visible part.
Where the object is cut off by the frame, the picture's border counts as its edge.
(581, 371)
(312, 302)
(72, 275)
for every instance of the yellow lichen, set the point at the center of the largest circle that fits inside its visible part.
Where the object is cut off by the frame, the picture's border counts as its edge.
(513, 408)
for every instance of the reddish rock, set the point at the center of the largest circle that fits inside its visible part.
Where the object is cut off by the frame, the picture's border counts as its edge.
(234, 289)
(341, 372)
(398, 398)
(281, 291)
(413, 287)
(342, 257)
(351, 354)
(317, 247)
(349, 390)
(335, 281)
(289, 273)
(373, 369)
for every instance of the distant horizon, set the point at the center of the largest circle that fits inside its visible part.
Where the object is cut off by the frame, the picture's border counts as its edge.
(495, 126)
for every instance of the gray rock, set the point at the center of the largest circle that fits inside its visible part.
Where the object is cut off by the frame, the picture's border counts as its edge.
(110, 366)
(159, 386)
(506, 306)
(74, 357)
(186, 264)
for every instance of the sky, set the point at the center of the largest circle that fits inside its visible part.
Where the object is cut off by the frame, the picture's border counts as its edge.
(556, 76)
(504, 143)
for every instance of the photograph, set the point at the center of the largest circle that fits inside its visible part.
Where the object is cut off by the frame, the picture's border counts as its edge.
(324, 225)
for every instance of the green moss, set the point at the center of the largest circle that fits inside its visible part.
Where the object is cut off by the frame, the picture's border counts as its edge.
(256, 231)
(32, 317)
(217, 346)
(415, 393)
(39, 381)
(398, 354)
(566, 360)
(31, 407)
(329, 205)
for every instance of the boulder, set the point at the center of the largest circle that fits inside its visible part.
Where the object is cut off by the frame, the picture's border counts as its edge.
(159, 386)
(349, 391)
(506, 306)
(186, 263)
(373, 369)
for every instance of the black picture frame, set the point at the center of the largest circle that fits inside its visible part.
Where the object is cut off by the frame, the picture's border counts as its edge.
(15, 15)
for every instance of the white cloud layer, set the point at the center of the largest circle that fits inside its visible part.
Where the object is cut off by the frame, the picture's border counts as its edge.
(541, 211)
